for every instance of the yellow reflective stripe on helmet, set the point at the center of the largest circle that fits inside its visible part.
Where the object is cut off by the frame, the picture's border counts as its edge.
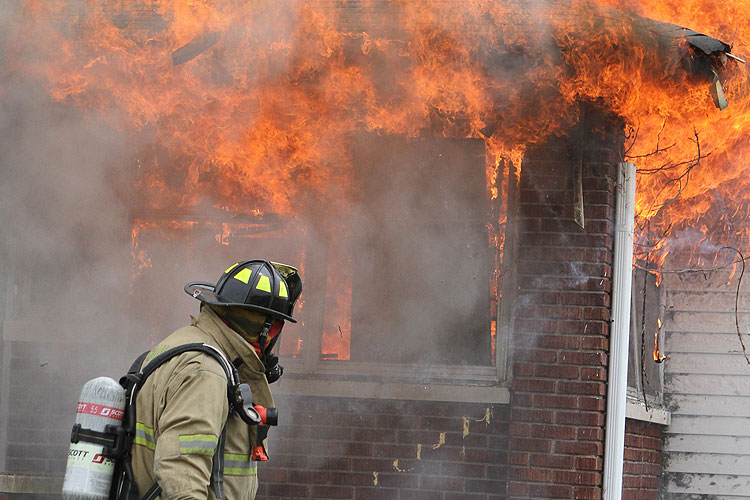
(144, 436)
(282, 290)
(243, 275)
(231, 267)
(198, 444)
(264, 284)
(236, 464)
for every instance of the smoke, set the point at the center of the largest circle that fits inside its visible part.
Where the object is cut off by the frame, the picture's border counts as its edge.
(89, 157)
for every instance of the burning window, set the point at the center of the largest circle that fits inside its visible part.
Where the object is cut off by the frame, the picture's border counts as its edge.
(409, 272)
(421, 258)
(645, 373)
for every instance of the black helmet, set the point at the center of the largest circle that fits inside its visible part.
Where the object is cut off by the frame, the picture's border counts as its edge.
(258, 285)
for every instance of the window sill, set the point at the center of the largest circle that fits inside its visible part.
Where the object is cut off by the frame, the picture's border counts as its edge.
(636, 410)
(30, 484)
(391, 390)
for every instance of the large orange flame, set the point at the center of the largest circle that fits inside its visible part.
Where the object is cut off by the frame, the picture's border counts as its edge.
(251, 103)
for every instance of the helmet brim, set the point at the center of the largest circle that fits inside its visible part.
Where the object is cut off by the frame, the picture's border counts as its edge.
(206, 292)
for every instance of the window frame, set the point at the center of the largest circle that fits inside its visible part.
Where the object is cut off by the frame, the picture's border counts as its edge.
(636, 394)
(311, 375)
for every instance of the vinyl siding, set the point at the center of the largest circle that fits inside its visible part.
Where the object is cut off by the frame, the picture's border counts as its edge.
(707, 389)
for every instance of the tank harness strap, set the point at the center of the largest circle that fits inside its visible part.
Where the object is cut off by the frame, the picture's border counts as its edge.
(153, 492)
(135, 379)
(112, 439)
(217, 469)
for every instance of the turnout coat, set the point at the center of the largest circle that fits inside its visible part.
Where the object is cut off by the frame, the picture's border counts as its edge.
(181, 413)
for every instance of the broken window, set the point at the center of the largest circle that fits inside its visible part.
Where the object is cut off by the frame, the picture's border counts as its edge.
(645, 372)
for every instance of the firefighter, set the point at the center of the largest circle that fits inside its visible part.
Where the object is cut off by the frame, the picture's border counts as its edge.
(188, 442)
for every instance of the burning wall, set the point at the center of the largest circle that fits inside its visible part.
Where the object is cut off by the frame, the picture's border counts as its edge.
(220, 108)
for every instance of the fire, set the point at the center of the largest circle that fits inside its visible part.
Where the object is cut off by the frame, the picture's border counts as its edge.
(253, 103)
(657, 356)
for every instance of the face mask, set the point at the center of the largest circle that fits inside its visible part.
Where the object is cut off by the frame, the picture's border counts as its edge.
(247, 323)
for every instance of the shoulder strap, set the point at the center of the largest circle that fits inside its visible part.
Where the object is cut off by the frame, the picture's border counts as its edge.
(132, 382)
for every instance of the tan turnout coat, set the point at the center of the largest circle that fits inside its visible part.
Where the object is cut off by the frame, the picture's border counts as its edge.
(181, 410)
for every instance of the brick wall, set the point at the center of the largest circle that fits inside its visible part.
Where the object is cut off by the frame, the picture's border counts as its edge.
(362, 449)
(43, 383)
(643, 460)
(561, 332)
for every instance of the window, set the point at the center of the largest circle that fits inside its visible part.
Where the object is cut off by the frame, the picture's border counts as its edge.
(645, 371)
(405, 287)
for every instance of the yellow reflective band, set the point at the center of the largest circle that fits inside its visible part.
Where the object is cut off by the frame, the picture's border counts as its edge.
(264, 284)
(144, 436)
(238, 471)
(231, 267)
(243, 275)
(282, 290)
(198, 444)
(236, 464)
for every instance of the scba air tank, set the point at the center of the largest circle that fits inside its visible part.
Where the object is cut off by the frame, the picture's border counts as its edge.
(88, 475)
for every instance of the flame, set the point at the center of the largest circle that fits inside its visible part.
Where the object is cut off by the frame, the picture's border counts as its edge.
(657, 356)
(225, 105)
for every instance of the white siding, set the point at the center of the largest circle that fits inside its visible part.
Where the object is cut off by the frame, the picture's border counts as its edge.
(707, 389)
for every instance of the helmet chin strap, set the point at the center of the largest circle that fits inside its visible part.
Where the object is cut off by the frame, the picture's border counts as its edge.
(266, 346)
(264, 337)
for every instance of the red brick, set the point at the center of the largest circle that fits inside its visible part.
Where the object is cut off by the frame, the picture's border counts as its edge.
(484, 486)
(518, 458)
(550, 491)
(420, 495)
(517, 490)
(537, 355)
(394, 480)
(591, 434)
(593, 388)
(633, 441)
(631, 482)
(531, 474)
(556, 371)
(589, 463)
(320, 491)
(523, 369)
(595, 343)
(519, 429)
(535, 325)
(576, 477)
(529, 444)
(544, 401)
(287, 490)
(553, 432)
(592, 403)
(552, 461)
(375, 494)
(633, 455)
(580, 447)
(444, 484)
(583, 358)
(596, 313)
(307, 476)
(580, 418)
(584, 493)
(594, 374)
(532, 415)
(652, 443)
(533, 385)
(558, 342)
